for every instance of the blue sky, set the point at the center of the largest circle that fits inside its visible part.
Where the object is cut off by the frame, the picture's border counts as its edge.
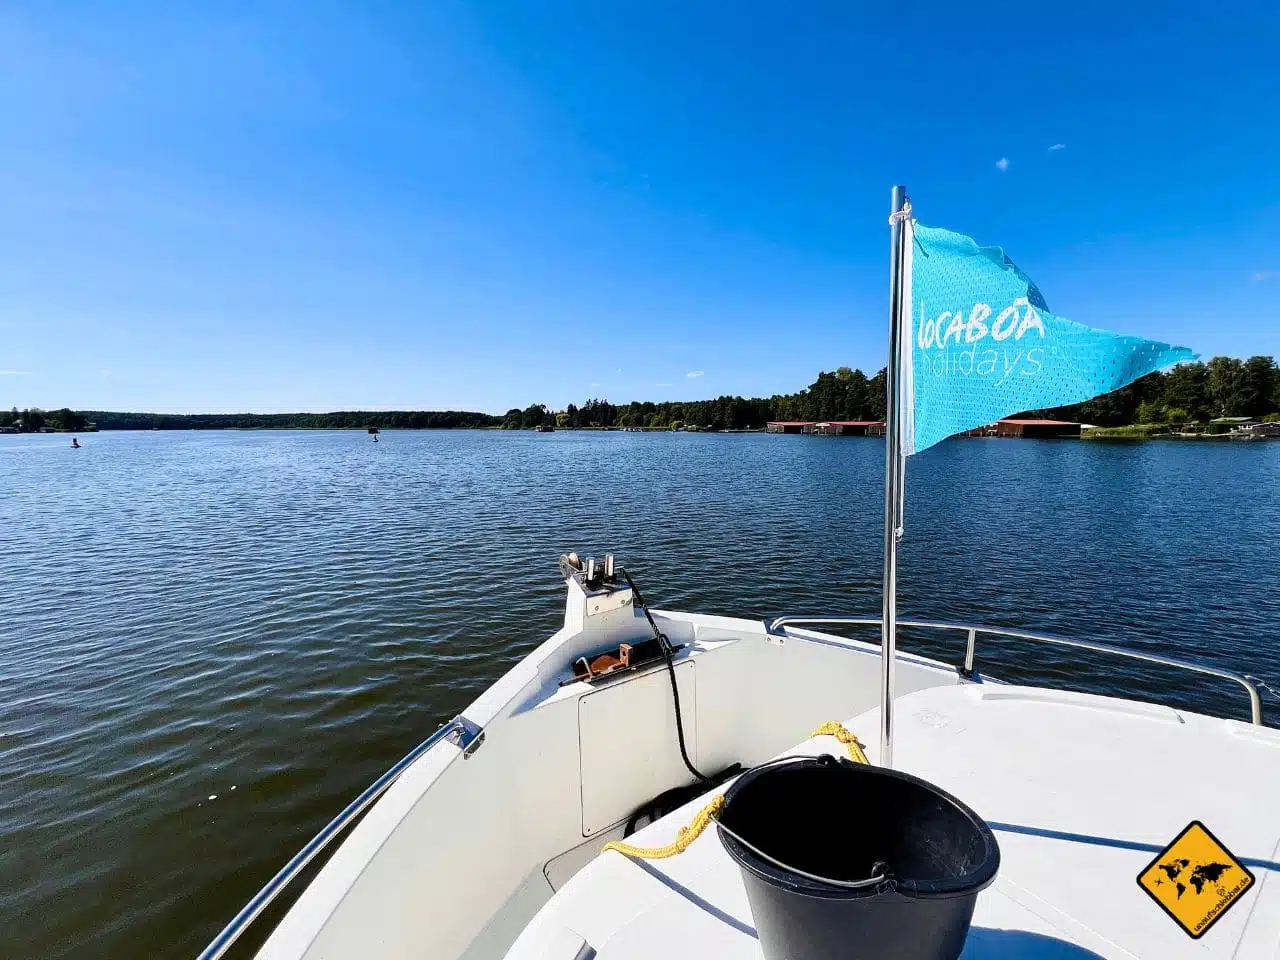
(313, 206)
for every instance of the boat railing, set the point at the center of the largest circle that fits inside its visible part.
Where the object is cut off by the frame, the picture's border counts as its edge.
(467, 736)
(973, 631)
(459, 731)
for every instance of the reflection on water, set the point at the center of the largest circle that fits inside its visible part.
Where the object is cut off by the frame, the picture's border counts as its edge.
(209, 642)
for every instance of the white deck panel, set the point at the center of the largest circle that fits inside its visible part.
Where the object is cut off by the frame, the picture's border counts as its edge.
(1082, 793)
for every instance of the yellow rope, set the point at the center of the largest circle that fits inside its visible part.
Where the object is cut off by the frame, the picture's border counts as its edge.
(684, 838)
(833, 728)
(686, 835)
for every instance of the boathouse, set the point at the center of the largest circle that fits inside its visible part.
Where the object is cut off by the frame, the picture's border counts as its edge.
(848, 428)
(1037, 429)
(1223, 425)
(788, 426)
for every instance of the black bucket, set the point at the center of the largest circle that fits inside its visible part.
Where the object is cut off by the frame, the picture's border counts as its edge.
(853, 861)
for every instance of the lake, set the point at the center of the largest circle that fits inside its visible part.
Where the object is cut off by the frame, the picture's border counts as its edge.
(211, 642)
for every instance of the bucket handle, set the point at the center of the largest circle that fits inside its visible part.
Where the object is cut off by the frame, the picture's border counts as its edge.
(846, 884)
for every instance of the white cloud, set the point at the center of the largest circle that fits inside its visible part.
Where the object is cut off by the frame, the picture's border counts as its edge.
(1002, 164)
(1257, 278)
(664, 384)
(15, 373)
(595, 385)
(694, 374)
(1058, 146)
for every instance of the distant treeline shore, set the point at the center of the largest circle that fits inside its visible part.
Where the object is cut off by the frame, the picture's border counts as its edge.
(36, 421)
(1223, 387)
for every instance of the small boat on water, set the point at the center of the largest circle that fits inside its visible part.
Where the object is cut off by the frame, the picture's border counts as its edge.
(544, 428)
(595, 801)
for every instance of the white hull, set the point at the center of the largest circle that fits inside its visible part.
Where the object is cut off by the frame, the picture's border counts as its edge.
(475, 847)
(460, 854)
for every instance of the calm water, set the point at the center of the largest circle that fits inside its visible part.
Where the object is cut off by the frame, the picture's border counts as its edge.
(273, 618)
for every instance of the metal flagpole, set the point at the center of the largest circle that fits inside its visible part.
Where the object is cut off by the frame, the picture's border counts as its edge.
(894, 477)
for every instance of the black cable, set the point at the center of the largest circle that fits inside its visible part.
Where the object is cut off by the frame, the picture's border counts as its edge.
(676, 797)
(667, 654)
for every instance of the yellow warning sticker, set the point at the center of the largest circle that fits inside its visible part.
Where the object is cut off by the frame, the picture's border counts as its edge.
(1195, 879)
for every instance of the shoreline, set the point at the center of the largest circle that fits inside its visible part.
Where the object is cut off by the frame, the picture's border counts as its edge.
(1130, 434)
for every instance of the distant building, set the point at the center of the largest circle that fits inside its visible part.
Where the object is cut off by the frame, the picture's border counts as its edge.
(1037, 429)
(788, 426)
(848, 428)
(1230, 425)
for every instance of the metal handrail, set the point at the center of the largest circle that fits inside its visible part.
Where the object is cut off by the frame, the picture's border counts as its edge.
(1255, 702)
(464, 733)
(468, 737)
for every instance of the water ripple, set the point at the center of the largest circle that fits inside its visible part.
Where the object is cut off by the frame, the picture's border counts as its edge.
(286, 613)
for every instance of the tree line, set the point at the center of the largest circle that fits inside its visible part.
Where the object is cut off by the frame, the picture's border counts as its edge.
(1223, 387)
(846, 394)
(1187, 393)
(342, 419)
(32, 421)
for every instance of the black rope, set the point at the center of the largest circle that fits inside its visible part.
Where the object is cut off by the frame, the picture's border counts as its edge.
(668, 655)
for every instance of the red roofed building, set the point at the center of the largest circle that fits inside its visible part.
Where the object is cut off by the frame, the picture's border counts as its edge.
(1039, 429)
(849, 428)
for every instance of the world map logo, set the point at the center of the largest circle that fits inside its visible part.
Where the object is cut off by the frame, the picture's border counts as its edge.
(1195, 879)
(1201, 874)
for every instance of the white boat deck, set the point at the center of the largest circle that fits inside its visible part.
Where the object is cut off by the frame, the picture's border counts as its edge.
(1081, 791)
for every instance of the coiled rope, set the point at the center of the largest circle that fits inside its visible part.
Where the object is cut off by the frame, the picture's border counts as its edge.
(687, 834)
(833, 728)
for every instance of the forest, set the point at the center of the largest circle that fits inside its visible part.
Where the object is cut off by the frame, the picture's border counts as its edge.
(32, 421)
(1223, 387)
(1189, 392)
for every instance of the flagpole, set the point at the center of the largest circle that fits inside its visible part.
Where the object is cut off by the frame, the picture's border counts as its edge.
(894, 477)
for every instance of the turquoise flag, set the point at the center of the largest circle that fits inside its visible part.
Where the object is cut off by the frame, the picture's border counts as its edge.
(983, 344)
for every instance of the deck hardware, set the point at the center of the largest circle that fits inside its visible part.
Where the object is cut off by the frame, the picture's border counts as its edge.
(782, 624)
(465, 735)
(966, 671)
